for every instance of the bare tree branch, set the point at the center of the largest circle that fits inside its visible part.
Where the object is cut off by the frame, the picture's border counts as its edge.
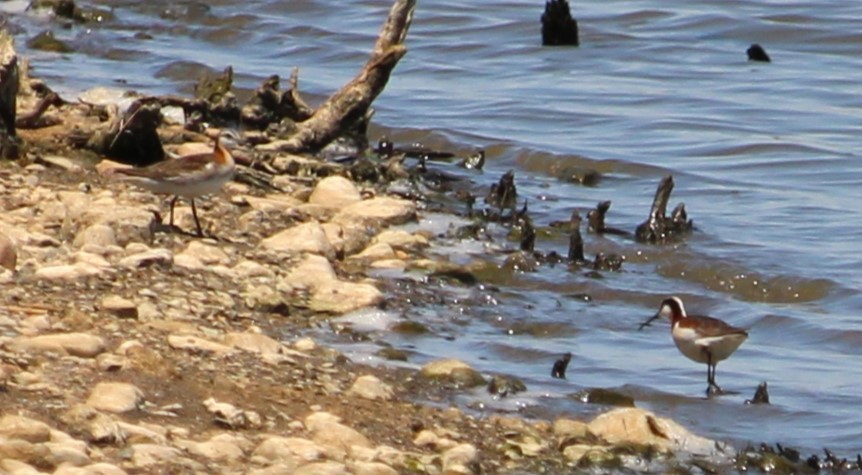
(352, 101)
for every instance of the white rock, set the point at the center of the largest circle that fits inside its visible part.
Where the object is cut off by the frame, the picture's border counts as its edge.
(375, 252)
(362, 454)
(343, 297)
(119, 306)
(220, 448)
(115, 397)
(37, 239)
(97, 427)
(16, 467)
(68, 271)
(426, 438)
(138, 433)
(327, 431)
(232, 416)
(322, 468)
(76, 344)
(401, 240)
(249, 269)
(24, 428)
(92, 469)
(391, 456)
(144, 455)
(373, 468)
(195, 344)
(95, 260)
(305, 345)
(569, 428)
(381, 210)
(205, 253)
(252, 342)
(370, 387)
(306, 237)
(389, 264)
(288, 450)
(316, 212)
(348, 237)
(63, 163)
(459, 456)
(311, 272)
(335, 191)
(278, 469)
(452, 370)
(130, 223)
(68, 453)
(187, 262)
(98, 234)
(633, 425)
(159, 257)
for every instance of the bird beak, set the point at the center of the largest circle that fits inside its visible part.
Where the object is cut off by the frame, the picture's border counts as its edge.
(647, 323)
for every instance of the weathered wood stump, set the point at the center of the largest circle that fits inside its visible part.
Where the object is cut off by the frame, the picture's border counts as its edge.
(559, 28)
(659, 228)
(8, 95)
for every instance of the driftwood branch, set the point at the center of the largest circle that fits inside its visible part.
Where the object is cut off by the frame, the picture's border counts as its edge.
(32, 119)
(133, 136)
(352, 101)
(302, 109)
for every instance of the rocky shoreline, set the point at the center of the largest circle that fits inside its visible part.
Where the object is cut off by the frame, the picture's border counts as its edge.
(127, 347)
(130, 349)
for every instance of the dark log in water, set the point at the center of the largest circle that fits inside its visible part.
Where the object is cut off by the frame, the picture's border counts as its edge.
(558, 26)
(559, 369)
(528, 235)
(659, 228)
(757, 53)
(761, 395)
(576, 241)
(504, 193)
(596, 221)
(610, 262)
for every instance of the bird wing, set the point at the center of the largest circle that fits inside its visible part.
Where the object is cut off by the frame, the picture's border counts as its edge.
(712, 327)
(172, 170)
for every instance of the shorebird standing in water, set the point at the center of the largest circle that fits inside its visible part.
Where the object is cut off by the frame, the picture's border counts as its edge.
(700, 338)
(188, 176)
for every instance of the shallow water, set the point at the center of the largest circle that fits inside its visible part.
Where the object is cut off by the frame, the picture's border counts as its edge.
(764, 156)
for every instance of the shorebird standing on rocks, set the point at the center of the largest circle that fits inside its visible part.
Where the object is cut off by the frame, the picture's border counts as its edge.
(188, 176)
(700, 338)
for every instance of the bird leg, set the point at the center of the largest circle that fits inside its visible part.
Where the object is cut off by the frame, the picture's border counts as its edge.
(173, 202)
(197, 223)
(713, 389)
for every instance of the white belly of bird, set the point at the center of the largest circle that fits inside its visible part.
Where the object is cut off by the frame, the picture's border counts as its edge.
(698, 348)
